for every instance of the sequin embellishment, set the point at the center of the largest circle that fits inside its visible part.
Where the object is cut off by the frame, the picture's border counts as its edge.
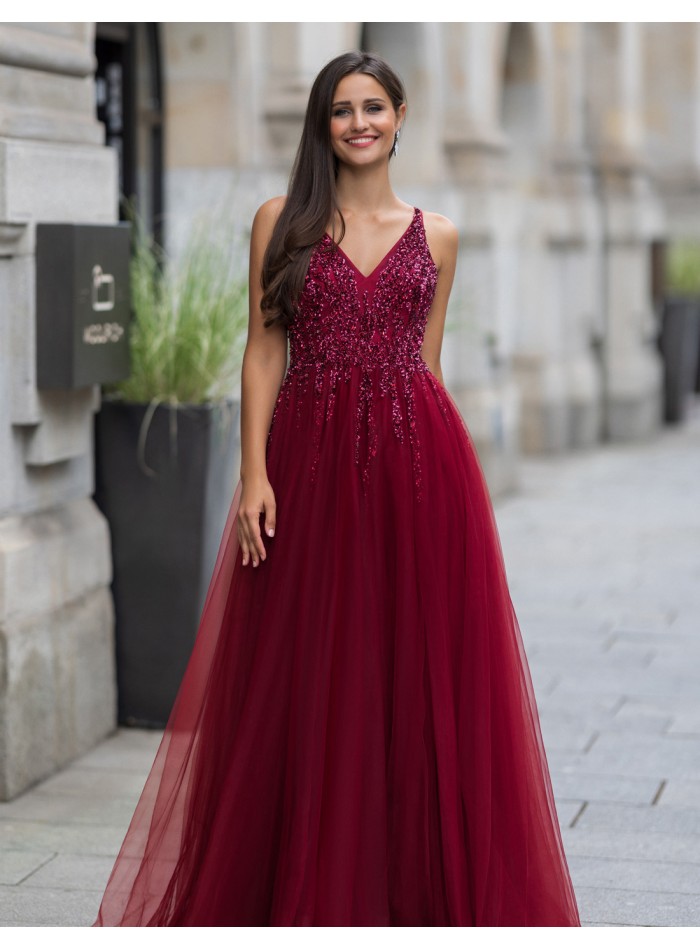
(346, 323)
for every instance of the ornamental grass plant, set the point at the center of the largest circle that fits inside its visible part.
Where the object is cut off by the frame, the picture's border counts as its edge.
(190, 318)
(682, 268)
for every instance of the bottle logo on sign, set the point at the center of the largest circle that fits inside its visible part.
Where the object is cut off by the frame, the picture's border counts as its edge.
(102, 299)
(102, 289)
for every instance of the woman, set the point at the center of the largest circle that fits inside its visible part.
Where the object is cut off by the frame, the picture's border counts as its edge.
(356, 739)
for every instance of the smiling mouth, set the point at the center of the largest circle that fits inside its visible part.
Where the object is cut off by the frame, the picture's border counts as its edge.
(362, 140)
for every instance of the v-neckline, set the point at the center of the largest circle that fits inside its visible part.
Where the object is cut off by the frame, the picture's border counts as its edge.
(383, 261)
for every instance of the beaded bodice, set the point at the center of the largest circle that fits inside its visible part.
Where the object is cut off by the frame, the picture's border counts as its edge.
(371, 324)
(376, 320)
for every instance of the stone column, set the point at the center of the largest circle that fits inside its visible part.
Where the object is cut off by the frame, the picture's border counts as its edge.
(672, 128)
(474, 195)
(632, 218)
(540, 236)
(57, 680)
(574, 235)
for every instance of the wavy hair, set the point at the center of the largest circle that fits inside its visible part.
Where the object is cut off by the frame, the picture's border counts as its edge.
(311, 196)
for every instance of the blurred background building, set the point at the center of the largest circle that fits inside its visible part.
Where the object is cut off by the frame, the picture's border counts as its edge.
(566, 153)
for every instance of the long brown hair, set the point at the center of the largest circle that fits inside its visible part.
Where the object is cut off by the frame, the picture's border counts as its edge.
(311, 197)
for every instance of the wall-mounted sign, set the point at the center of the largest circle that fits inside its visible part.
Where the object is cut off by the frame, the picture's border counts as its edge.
(83, 304)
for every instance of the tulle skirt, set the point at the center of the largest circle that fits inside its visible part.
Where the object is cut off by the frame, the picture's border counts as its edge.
(356, 739)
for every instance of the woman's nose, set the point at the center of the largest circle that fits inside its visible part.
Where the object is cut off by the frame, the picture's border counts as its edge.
(358, 121)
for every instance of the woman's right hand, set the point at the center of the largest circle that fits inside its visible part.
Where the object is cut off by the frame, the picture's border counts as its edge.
(257, 497)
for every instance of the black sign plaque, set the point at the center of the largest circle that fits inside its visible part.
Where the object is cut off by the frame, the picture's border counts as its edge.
(83, 304)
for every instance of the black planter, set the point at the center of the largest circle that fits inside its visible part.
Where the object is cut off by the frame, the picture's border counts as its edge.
(166, 529)
(680, 346)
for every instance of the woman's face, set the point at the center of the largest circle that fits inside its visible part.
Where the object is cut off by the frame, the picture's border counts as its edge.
(363, 120)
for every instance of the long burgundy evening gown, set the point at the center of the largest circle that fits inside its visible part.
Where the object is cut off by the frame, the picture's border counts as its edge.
(356, 740)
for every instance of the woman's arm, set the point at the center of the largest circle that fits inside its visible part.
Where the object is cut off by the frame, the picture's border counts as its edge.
(264, 364)
(443, 241)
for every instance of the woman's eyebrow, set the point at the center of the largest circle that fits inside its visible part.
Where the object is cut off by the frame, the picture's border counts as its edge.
(346, 102)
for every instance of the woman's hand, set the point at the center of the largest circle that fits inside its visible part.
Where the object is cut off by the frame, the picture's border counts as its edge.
(257, 496)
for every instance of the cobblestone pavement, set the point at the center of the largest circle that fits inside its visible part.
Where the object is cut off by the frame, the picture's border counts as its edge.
(603, 556)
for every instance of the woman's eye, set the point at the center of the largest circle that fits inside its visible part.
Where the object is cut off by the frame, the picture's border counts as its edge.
(372, 108)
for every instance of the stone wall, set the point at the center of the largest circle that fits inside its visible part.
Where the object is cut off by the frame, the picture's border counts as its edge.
(57, 681)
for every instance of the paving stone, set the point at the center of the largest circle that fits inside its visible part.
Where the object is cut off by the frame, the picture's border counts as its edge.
(582, 702)
(73, 839)
(35, 907)
(638, 683)
(15, 866)
(561, 652)
(123, 753)
(684, 793)
(566, 760)
(672, 639)
(686, 723)
(670, 663)
(626, 618)
(643, 725)
(658, 876)
(592, 714)
(634, 755)
(637, 716)
(621, 653)
(653, 846)
(72, 872)
(687, 625)
(642, 819)
(65, 809)
(567, 810)
(558, 735)
(130, 739)
(604, 788)
(88, 783)
(542, 623)
(676, 643)
(638, 908)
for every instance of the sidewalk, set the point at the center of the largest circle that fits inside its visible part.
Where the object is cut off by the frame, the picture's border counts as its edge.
(603, 556)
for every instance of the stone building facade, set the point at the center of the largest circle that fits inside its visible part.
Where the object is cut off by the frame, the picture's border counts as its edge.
(56, 616)
(562, 151)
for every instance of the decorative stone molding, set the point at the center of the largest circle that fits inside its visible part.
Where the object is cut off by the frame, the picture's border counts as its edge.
(48, 51)
(284, 116)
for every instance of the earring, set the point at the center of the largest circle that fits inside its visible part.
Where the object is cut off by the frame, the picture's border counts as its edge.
(395, 149)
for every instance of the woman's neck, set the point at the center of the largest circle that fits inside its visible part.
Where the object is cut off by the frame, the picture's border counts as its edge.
(360, 190)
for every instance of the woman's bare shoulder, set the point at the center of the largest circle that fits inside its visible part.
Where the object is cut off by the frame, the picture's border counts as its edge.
(272, 207)
(442, 236)
(264, 222)
(269, 211)
(440, 226)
